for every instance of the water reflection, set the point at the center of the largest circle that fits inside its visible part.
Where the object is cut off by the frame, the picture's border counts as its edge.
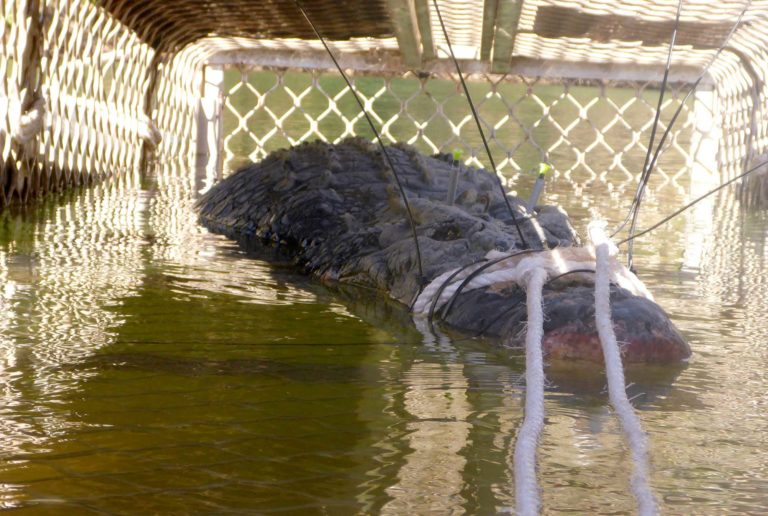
(60, 273)
(722, 308)
(431, 479)
(148, 366)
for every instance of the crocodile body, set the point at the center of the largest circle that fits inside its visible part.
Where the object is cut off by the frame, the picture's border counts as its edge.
(336, 212)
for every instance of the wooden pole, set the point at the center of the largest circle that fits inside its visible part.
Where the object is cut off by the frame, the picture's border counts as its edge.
(23, 165)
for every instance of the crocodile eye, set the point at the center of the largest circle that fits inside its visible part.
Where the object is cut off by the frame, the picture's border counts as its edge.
(446, 232)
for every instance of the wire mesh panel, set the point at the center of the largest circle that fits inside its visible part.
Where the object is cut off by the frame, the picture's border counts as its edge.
(83, 97)
(94, 83)
(589, 131)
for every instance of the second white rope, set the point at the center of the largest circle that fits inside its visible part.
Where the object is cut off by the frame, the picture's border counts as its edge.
(527, 497)
(614, 372)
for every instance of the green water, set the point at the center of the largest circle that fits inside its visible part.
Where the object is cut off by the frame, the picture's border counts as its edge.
(147, 366)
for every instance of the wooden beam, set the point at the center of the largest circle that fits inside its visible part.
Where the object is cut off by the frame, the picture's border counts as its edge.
(24, 87)
(490, 8)
(507, 17)
(209, 117)
(425, 30)
(385, 63)
(402, 13)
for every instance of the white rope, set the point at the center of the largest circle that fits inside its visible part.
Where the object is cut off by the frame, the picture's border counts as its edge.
(30, 122)
(428, 294)
(149, 132)
(517, 267)
(532, 271)
(526, 488)
(614, 371)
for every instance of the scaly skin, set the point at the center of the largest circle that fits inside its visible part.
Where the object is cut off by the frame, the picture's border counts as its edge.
(336, 212)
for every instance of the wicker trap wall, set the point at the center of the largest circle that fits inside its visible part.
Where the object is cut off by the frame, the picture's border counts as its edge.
(93, 90)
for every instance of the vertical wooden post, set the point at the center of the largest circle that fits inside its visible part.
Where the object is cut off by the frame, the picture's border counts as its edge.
(705, 144)
(424, 24)
(406, 28)
(209, 128)
(24, 164)
(507, 18)
(147, 147)
(489, 27)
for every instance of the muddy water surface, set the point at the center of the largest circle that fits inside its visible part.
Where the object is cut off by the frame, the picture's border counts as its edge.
(147, 366)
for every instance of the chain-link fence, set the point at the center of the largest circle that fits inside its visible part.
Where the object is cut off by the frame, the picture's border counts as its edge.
(588, 130)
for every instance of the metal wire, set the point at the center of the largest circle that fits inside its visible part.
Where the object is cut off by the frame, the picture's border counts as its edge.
(635, 209)
(643, 177)
(431, 313)
(692, 203)
(476, 273)
(378, 139)
(480, 127)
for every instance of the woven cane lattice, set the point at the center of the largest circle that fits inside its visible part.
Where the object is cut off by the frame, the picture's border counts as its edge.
(72, 107)
(743, 95)
(20, 35)
(94, 84)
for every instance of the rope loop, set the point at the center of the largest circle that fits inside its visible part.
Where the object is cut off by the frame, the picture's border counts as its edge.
(149, 132)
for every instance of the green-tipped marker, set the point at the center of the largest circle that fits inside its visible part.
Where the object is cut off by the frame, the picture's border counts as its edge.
(454, 179)
(538, 186)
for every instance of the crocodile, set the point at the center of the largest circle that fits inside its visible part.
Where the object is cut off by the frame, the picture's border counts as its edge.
(337, 212)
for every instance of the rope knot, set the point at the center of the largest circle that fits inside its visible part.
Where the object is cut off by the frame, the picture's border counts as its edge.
(598, 236)
(30, 122)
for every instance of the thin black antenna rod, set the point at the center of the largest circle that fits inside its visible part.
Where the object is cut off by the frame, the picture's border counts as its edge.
(679, 109)
(692, 203)
(639, 195)
(646, 169)
(656, 118)
(378, 138)
(479, 125)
